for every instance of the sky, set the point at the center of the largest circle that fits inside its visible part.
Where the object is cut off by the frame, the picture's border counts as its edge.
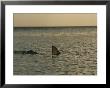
(54, 19)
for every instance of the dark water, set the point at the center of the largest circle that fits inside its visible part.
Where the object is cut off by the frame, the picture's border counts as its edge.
(55, 29)
(77, 45)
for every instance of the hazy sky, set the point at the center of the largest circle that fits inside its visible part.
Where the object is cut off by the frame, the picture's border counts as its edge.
(57, 19)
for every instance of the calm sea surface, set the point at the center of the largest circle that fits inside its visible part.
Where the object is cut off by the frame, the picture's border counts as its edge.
(78, 47)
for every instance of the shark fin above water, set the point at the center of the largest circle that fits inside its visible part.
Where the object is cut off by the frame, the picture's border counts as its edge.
(55, 51)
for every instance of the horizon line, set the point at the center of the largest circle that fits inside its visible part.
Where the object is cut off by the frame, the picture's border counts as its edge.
(50, 26)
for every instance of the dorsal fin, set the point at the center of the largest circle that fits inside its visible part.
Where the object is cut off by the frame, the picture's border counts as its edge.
(55, 51)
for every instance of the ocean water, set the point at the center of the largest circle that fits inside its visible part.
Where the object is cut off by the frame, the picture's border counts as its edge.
(77, 45)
